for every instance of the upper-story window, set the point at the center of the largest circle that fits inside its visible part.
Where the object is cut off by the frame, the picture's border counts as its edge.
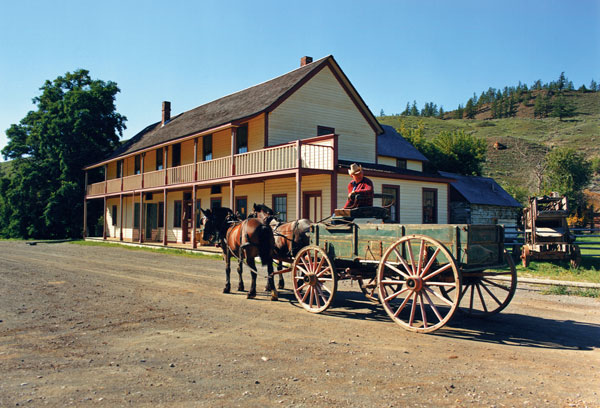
(176, 160)
(138, 164)
(241, 139)
(325, 130)
(401, 164)
(159, 159)
(207, 148)
(119, 168)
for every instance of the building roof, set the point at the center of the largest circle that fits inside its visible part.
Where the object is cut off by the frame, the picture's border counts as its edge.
(239, 106)
(383, 168)
(481, 190)
(391, 143)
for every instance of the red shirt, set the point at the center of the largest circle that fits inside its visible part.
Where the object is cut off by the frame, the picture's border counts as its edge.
(365, 189)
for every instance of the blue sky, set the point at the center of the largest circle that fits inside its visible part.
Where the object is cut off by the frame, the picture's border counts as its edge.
(192, 52)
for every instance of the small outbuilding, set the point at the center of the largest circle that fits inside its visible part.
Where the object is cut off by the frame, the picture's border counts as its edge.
(480, 200)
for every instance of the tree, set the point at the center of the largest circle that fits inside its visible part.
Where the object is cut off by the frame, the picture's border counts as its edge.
(562, 108)
(459, 152)
(593, 86)
(458, 113)
(470, 109)
(568, 173)
(75, 124)
(381, 112)
(407, 110)
(414, 111)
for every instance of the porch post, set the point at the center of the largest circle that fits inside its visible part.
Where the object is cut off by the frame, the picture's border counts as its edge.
(165, 217)
(231, 195)
(334, 175)
(195, 161)
(194, 244)
(298, 179)
(104, 220)
(143, 156)
(105, 178)
(141, 216)
(298, 194)
(121, 216)
(233, 142)
(85, 207)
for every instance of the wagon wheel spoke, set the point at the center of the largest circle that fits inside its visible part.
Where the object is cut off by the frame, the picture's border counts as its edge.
(328, 269)
(412, 309)
(410, 255)
(437, 272)
(443, 299)
(423, 314)
(433, 307)
(403, 262)
(491, 294)
(421, 255)
(396, 294)
(431, 261)
(406, 299)
(481, 298)
(398, 271)
(496, 284)
(449, 284)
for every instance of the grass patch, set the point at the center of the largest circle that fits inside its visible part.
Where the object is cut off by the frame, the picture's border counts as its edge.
(565, 291)
(169, 251)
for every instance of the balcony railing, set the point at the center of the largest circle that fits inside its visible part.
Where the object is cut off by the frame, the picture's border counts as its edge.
(318, 155)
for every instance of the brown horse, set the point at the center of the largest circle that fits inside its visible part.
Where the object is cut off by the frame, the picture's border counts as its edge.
(290, 237)
(244, 240)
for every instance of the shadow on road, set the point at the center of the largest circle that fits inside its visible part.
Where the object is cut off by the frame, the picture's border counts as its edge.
(505, 328)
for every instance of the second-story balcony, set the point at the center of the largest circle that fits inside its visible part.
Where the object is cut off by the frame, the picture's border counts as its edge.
(317, 154)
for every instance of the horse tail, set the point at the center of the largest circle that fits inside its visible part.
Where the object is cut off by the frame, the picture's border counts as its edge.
(266, 244)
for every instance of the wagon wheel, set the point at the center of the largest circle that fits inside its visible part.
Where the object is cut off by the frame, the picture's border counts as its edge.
(410, 286)
(369, 289)
(575, 257)
(487, 293)
(314, 279)
(525, 256)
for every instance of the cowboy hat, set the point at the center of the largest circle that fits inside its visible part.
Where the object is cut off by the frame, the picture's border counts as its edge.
(354, 169)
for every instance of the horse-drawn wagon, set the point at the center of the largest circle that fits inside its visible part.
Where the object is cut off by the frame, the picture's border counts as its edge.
(419, 273)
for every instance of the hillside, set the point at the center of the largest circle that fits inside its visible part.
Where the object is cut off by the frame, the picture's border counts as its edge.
(527, 139)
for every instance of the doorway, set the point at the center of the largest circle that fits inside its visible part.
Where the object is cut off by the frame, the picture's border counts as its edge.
(312, 206)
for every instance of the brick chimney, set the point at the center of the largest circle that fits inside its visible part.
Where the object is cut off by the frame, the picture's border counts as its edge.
(305, 60)
(166, 112)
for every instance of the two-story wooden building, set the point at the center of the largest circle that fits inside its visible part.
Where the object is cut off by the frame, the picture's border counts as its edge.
(287, 142)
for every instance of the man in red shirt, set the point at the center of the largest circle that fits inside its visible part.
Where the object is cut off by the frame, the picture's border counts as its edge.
(360, 189)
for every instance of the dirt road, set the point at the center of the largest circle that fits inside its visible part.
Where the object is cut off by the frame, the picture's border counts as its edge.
(108, 326)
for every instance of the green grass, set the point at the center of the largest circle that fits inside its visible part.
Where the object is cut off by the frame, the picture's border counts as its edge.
(588, 271)
(170, 251)
(564, 291)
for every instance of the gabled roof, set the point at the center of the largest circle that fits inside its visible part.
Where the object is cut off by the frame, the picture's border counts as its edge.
(481, 190)
(391, 143)
(241, 105)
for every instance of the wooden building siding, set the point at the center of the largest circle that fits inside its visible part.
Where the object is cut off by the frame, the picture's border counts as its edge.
(221, 144)
(411, 197)
(323, 102)
(282, 186)
(463, 212)
(256, 133)
(387, 161)
(414, 165)
(391, 161)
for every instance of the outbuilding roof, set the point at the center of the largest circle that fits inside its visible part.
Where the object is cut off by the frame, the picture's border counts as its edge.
(237, 107)
(391, 143)
(481, 190)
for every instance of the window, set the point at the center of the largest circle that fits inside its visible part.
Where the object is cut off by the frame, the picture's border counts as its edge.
(325, 130)
(207, 148)
(176, 160)
(280, 206)
(113, 215)
(136, 215)
(177, 214)
(401, 164)
(241, 139)
(159, 159)
(215, 203)
(161, 214)
(138, 164)
(119, 168)
(215, 189)
(391, 199)
(241, 206)
(430, 209)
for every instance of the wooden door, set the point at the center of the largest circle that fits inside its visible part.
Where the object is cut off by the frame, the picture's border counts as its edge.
(312, 206)
(186, 222)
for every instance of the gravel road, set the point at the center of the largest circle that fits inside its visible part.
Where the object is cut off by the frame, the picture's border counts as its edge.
(109, 326)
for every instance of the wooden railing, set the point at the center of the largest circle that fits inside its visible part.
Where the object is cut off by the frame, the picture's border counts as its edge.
(214, 169)
(181, 174)
(318, 155)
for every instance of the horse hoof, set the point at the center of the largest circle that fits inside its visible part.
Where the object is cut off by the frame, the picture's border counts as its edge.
(251, 295)
(268, 288)
(241, 287)
(274, 296)
(281, 286)
(227, 289)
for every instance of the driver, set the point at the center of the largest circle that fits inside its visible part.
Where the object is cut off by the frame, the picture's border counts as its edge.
(360, 189)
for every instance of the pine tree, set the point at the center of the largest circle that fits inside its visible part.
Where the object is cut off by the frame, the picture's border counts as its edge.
(414, 111)
(470, 109)
(441, 113)
(593, 86)
(562, 108)
(407, 110)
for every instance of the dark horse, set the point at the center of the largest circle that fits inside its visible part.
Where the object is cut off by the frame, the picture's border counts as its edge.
(290, 237)
(243, 239)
